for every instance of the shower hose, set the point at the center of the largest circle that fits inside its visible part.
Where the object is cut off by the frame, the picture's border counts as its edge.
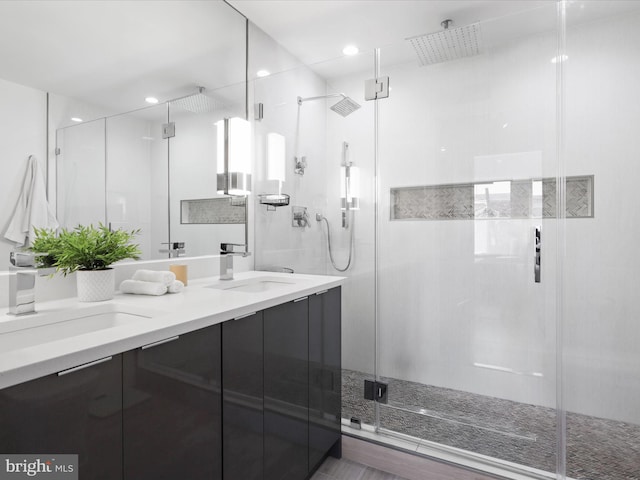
(320, 217)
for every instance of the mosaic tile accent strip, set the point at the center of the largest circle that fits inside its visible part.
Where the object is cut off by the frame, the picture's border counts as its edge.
(491, 200)
(525, 434)
(211, 210)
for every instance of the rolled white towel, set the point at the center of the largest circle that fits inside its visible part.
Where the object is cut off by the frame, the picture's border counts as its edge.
(166, 278)
(175, 287)
(138, 287)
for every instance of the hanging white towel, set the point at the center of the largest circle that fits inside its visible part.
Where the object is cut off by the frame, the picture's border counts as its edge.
(32, 210)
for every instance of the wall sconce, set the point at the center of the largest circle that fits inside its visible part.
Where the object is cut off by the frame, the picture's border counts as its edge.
(276, 158)
(234, 156)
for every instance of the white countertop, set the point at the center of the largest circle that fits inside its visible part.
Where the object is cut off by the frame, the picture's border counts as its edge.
(196, 307)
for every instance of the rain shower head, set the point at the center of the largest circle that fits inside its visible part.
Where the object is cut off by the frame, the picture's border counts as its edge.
(448, 44)
(344, 107)
(198, 102)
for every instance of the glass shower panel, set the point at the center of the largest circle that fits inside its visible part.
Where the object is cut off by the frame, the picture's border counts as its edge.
(199, 217)
(137, 172)
(466, 328)
(601, 357)
(80, 174)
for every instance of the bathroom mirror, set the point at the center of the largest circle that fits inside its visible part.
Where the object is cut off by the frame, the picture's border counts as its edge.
(103, 147)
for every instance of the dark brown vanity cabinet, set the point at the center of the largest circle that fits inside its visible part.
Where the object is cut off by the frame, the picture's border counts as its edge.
(325, 375)
(172, 408)
(77, 411)
(242, 398)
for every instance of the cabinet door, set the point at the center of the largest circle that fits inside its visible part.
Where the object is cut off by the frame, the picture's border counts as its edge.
(286, 391)
(325, 372)
(172, 409)
(75, 412)
(242, 398)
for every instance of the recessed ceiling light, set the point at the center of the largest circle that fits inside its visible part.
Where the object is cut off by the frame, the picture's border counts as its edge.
(559, 58)
(152, 100)
(350, 50)
(76, 119)
(263, 73)
(443, 149)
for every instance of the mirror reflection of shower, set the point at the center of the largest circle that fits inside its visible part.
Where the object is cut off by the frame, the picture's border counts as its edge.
(349, 198)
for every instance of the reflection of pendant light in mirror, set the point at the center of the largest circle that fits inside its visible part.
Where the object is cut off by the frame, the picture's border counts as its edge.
(234, 156)
(276, 158)
(350, 187)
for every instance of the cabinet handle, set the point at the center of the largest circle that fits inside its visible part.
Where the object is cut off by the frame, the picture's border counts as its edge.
(322, 292)
(300, 299)
(155, 344)
(245, 316)
(83, 366)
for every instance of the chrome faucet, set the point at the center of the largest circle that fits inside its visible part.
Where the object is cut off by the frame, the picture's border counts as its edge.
(22, 282)
(227, 252)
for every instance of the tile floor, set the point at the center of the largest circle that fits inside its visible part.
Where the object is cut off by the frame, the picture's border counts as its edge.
(334, 469)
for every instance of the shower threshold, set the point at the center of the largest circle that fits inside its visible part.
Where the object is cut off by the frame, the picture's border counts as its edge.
(443, 453)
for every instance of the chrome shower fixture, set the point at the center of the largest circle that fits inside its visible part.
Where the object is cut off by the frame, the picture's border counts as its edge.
(448, 44)
(198, 102)
(344, 107)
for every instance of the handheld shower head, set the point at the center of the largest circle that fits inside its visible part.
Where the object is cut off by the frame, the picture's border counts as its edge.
(344, 107)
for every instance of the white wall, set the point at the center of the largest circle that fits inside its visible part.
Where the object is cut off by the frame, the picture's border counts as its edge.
(602, 328)
(23, 117)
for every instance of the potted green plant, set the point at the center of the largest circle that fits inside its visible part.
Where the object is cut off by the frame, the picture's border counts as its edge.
(89, 251)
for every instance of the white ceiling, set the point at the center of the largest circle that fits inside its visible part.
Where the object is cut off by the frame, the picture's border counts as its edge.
(115, 52)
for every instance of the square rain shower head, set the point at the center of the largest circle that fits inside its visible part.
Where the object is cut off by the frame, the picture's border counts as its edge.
(345, 106)
(448, 44)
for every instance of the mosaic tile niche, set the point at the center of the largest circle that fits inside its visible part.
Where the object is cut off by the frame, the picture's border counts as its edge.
(531, 198)
(212, 210)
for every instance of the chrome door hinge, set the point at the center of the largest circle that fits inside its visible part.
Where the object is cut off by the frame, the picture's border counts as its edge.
(376, 88)
(169, 130)
(58, 151)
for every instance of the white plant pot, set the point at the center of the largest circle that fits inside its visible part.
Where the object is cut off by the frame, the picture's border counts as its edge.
(96, 285)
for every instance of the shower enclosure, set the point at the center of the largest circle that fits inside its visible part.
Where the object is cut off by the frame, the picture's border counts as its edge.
(491, 297)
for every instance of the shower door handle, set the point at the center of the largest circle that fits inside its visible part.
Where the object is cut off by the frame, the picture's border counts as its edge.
(536, 258)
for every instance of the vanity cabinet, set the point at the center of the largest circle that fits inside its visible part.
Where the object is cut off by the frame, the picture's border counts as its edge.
(172, 408)
(286, 391)
(77, 411)
(325, 375)
(242, 398)
(253, 398)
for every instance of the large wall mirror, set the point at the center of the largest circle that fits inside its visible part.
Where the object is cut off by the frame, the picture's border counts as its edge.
(110, 156)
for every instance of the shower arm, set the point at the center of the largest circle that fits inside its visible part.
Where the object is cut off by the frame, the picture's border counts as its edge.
(319, 97)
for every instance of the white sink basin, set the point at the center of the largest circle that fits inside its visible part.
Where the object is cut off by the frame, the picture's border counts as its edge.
(30, 331)
(253, 285)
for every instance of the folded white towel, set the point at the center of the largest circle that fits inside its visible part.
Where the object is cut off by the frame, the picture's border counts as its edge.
(175, 287)
(138, 287)
(165, 278)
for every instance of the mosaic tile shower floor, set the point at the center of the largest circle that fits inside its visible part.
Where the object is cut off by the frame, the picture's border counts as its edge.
(597, 449)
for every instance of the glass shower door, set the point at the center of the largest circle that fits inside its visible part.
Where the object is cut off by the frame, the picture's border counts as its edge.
(466, 329)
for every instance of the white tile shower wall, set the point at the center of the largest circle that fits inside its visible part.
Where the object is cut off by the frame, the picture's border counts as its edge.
(279, 244)
(602, 332)
(22, 133)
(449, 308)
